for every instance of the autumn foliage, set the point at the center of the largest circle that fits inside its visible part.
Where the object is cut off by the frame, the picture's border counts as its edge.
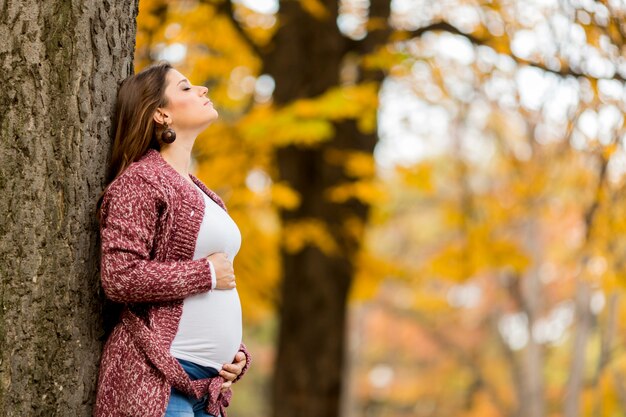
(491, 275)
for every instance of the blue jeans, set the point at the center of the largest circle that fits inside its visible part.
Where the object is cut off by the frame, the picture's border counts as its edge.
(180, 404)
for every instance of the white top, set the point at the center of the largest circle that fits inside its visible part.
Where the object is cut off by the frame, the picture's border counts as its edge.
(210, 329)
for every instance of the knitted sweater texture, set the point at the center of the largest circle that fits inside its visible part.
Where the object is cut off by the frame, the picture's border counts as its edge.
(150, 219)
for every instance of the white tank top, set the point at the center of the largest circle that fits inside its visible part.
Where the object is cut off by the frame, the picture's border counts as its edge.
(210, 328)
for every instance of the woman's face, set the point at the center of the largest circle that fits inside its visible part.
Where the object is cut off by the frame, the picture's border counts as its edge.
(188, 108)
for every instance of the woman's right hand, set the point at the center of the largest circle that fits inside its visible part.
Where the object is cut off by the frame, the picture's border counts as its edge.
(225, 275)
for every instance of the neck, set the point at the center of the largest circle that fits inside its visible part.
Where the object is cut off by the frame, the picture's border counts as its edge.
(178, 155)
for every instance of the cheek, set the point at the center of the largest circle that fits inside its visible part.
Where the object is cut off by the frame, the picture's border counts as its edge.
(184, 110)
(181, 103)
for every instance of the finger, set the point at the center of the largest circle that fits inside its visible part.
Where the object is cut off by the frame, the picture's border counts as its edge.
(230, 376)
(229, 368)
(236, 370)
(226, 385)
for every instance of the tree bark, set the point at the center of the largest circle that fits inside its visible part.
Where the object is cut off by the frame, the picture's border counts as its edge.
(61, 63)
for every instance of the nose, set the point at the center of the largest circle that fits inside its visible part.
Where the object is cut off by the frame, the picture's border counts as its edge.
(204, 90)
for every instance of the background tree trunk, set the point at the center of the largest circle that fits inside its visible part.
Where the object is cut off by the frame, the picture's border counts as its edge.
(305, 60)
(61, 62)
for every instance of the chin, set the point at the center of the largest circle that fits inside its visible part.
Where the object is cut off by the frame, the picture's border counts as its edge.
(214, 116)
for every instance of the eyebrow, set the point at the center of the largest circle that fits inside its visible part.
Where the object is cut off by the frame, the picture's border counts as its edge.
(184, 79)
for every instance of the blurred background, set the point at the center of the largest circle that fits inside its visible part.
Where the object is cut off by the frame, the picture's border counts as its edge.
(430, 195)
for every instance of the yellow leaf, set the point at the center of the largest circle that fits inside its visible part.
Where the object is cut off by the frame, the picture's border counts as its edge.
(309, 231)
(315, 8)
(284, 196)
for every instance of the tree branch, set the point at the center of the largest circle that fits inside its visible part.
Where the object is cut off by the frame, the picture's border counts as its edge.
(443, 26)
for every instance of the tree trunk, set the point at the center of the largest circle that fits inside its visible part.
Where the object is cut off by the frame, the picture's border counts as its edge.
(583, 320)
(61, 62)
(533, 402)
(305, 62)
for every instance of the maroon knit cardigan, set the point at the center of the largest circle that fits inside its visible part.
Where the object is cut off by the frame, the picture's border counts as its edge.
(150, 219)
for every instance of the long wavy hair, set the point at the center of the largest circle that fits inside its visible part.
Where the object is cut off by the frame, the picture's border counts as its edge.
(138, 98)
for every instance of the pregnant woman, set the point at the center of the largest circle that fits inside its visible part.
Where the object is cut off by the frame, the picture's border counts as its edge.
(168, 245)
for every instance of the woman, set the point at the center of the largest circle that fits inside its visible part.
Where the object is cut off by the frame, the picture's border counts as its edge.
(167, 251)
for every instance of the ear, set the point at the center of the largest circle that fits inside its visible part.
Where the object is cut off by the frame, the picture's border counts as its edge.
(160, 117)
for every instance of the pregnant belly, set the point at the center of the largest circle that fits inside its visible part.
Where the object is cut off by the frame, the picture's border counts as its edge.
(210, 330)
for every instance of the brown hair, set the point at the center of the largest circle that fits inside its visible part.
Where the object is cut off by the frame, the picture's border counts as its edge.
(136, 131)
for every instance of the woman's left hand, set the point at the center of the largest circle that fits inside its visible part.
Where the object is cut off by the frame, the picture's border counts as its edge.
(230, 371)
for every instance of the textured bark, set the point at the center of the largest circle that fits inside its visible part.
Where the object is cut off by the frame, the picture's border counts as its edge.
(305, 61)
(61, 62)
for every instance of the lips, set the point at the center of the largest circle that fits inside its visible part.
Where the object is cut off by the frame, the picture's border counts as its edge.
(208, 102)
